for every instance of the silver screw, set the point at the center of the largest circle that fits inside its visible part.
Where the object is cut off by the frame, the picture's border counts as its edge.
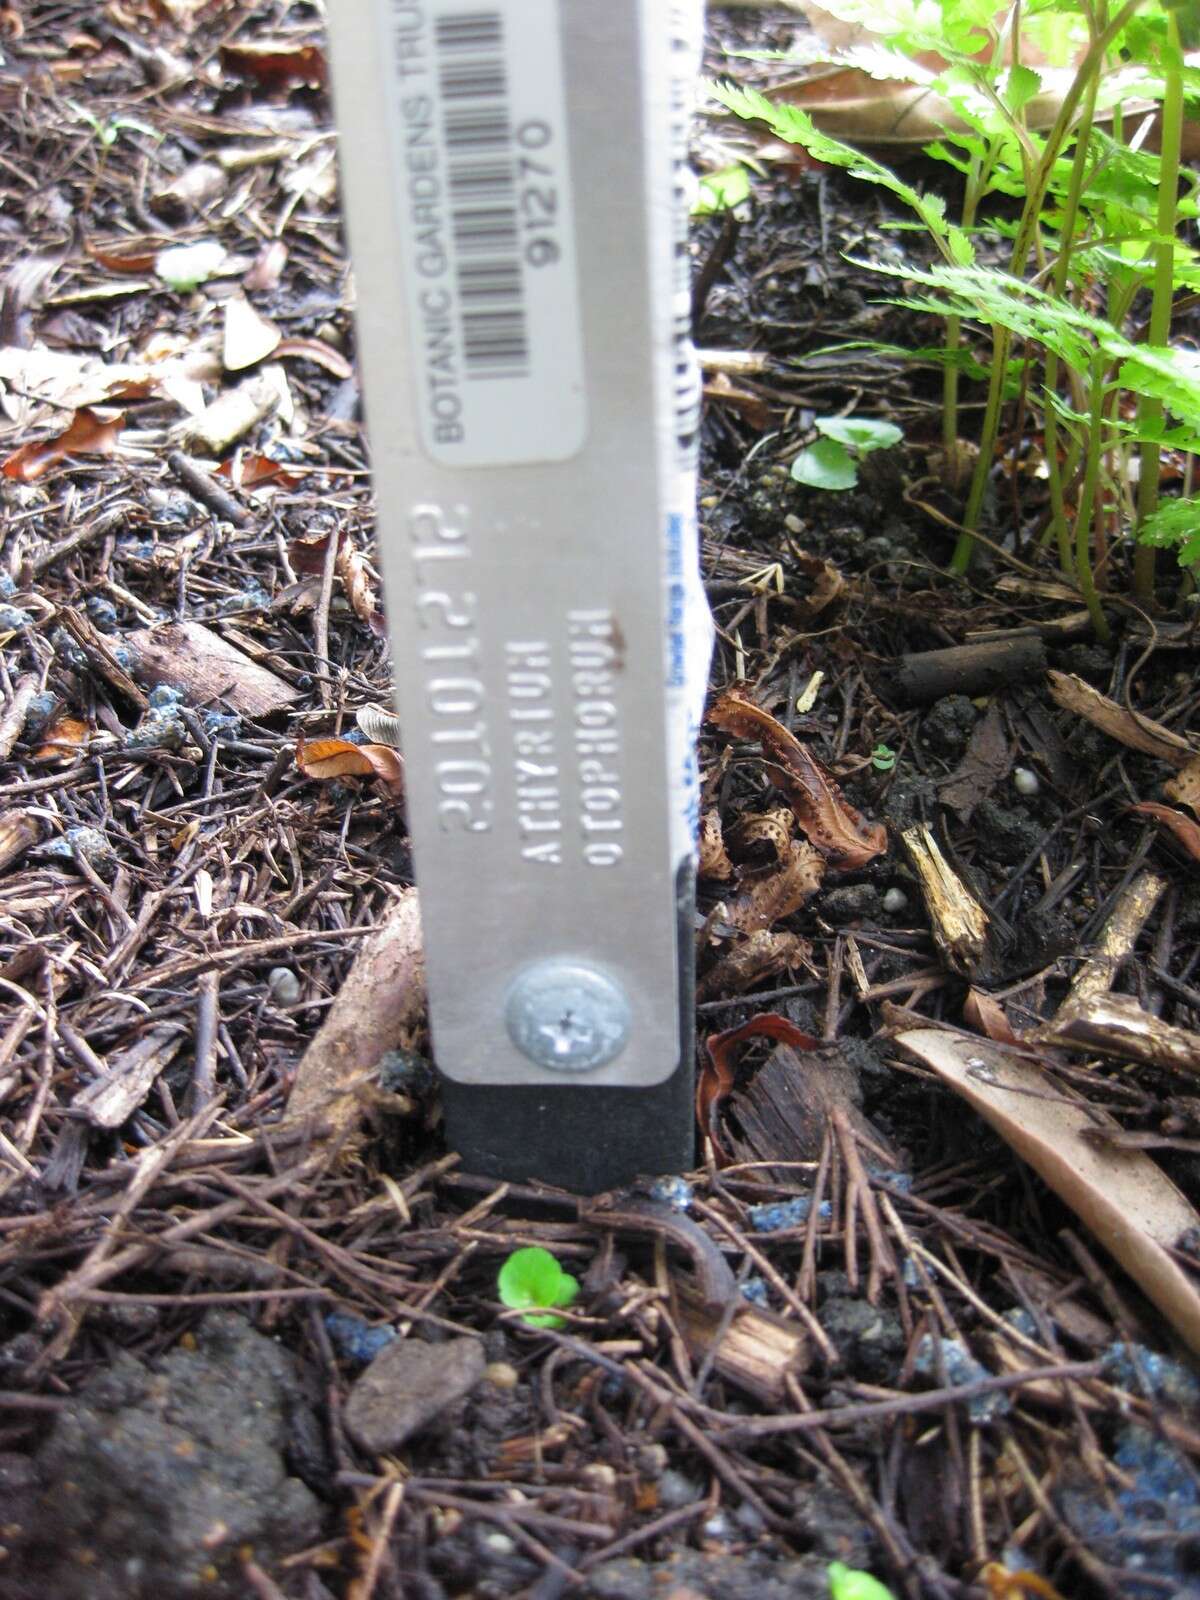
(567, 1015)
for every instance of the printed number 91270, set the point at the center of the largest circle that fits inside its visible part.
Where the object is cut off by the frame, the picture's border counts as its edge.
(537, 193)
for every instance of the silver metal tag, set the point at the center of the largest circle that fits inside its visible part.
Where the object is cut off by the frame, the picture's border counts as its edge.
(516, 193)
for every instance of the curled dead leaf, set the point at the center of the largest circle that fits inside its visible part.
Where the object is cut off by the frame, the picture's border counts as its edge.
(760, 955)
(325, 759)
(1185, 831)
(842, 834)
(713, 860)
(88, 435)
(762, 837)
(769, 894)
(318, 352)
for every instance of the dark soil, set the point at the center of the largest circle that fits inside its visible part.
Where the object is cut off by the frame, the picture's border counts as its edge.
(183, 1316)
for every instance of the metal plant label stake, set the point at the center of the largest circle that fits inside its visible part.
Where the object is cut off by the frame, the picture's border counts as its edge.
(516, 187)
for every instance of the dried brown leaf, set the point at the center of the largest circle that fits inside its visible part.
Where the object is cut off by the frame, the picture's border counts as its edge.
(247, 471)
(325, 759)
(62, 740)
(764, 837)
(1184, 829)
(1185, 785)
(275, 63)
(268, 267)
(760, 955)
(772, 893)
(985, 764)
(713, 860)
(837, 830)
(88, 435)
(1138, 732)
(987, 1016)
(317, 351)
(1123, 1196)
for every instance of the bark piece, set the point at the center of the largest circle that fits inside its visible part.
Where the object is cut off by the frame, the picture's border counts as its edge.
(12, 718)
(1123, 1196)
(784, 1111)
(969, 669)
(407, 1386)
(232, 414)
(959, 922)
(17, 832)
(1127, 727)
(111, 1100)
(758, 1350)
(382, 997)
(99, 653)
(984, 765)
(209, 668)
(1115, 1025)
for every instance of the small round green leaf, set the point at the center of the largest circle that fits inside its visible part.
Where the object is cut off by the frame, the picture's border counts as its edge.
(825, 465)
(863, 434)
(532, 1277)
(847, 1583)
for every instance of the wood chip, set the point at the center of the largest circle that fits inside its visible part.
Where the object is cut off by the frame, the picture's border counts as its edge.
(110, 1101)
(959, 922)
(209, 669)
(1127, 727)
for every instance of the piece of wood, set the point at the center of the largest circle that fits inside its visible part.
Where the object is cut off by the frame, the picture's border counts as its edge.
(1127, 727)
(758, 1350)
(959, 922)
(969, 669)
(1124, 1197)
(232, 414)
(784, 1111)
(109, 1101)
(1115, 1025)
(382, 998)
(208, 668)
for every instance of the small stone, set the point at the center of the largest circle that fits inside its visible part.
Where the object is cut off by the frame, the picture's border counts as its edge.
(894, 900)
(676, 1489)
(14, 617)
(651, 1459)
(159, 729)
(498, 1544)
(356, 1340)
(719, 1527)
(284, 986)
(674, 1192)
(600, 1475)
(103, 613)
(165, 695)
(406, 1387)
(501, 1375)
(755, 1290)
(1025, 781)
(90, 843)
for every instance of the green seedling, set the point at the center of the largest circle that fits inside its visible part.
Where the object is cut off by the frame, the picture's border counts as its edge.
(883, 758)
(721, 191)
(848, 1583)
(1095, 236)
(831, 462)
(533, 1277)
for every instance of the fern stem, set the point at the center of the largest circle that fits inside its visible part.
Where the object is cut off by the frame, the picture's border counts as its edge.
(1150, 408)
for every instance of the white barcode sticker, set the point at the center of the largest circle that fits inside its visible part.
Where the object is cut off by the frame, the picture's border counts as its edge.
(479, 137)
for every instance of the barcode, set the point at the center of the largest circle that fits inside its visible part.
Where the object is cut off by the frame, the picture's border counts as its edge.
(477, 133)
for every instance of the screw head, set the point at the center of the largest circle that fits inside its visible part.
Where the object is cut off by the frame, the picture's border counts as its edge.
(567, 1016)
